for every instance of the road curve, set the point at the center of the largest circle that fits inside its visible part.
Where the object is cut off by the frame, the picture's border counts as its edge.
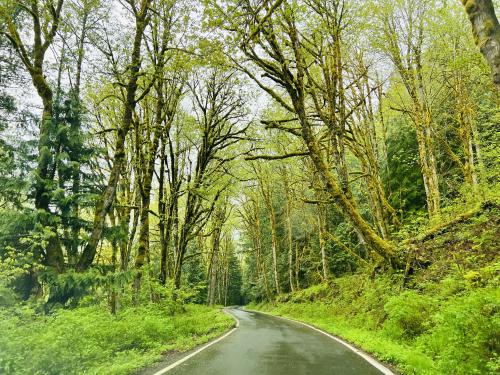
(266, 345)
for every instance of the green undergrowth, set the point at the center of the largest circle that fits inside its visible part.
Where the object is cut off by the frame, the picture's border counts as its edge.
(89, 340)
(444, 319)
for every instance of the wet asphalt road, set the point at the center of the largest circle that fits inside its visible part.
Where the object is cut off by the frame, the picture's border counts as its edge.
(265, 345)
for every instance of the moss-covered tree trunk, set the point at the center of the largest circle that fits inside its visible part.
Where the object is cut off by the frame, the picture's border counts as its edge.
(258, 248)
(427, 160)
(251, 216)
(347, 206)
(168, 207)
(289, 234)
(143, 240)
(366, 149)
(323, 237)
(214, 260)
(486, 31)
(266, 194)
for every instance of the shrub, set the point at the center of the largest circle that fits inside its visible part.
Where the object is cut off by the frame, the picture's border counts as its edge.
(408, 315)
(466, 338)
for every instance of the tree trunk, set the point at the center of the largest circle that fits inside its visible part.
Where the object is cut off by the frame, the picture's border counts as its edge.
(215, 261)
(179, 259)
(261, 264)
(486, 30)
(274, 246)
(466, 136)
(168, 211)
(297, 267)
(164, 221)
(274, 236)
(113, 298)
(147, 160)
(424, 129)
(322, 230)
(428, 162)
(143, 245)
(346, 205)
(252, 219)
(288, 213)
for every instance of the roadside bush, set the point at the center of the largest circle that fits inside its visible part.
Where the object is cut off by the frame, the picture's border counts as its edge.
(466, 337)
(408, 315)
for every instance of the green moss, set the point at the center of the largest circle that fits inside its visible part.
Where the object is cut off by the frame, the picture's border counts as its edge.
(488, 27)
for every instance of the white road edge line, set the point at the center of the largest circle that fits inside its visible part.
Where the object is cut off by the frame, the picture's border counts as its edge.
(206, 346)
(379, 366)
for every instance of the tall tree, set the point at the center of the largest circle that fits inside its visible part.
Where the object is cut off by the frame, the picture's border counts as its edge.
(140, 11)
(156, 120)
(403, 42)
(266, 192)
(215, 258)
(288, 219)
(44, 22)
(219, 115)
(250, 213)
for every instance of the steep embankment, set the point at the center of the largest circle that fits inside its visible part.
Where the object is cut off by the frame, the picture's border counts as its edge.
(441, 318)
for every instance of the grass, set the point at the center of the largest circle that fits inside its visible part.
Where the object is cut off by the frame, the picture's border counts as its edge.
(89, 340)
